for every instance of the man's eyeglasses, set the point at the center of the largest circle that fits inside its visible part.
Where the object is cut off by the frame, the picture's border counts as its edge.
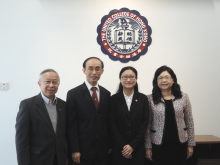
(128, 77)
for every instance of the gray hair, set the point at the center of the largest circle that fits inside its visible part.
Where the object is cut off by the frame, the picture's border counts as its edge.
(48, 70)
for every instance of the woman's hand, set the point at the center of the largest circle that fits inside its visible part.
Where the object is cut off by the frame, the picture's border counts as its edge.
(149, 154)
(128, 156)
(127, 150)
(189, 151)
(76, 157)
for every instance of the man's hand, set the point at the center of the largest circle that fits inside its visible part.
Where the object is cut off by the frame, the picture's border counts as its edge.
(127, 150)
(76, 157)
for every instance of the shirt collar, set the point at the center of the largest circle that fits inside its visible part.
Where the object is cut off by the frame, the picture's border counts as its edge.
(48, 101)
(128, 97)
(89, 86)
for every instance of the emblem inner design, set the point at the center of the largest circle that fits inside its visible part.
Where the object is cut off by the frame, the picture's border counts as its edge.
(124, 35)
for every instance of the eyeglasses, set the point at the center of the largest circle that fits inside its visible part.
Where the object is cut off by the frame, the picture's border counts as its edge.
(167, 78)
(97, 69)
(128, 77)
(47, 82)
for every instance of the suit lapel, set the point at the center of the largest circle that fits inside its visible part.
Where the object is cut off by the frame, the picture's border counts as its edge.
(60, 118)
(43, 112)
(134, 102)
(122, 103)
(101, 97)
(86, 94)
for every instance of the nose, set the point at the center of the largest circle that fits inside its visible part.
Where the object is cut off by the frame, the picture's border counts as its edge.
(51, 84)
(93, 71)
(164, 79)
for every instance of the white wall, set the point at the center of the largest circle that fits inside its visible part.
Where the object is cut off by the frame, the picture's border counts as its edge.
(61, 34)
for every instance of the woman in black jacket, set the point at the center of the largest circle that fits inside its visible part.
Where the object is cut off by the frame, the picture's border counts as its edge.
(128, 120)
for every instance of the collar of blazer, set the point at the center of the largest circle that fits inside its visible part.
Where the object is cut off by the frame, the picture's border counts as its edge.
(86, 94)
(135, 101)
(42, 110)
(162, 100)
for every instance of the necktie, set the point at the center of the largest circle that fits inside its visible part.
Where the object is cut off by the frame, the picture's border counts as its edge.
(95, 97)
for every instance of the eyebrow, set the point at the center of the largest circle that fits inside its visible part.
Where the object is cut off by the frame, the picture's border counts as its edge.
(94, 66)
(50, 80)
(165, 76)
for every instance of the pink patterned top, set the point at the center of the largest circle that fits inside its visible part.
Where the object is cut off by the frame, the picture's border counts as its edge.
(184, 119)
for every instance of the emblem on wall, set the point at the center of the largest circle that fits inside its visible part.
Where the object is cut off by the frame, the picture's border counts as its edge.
(124, 35)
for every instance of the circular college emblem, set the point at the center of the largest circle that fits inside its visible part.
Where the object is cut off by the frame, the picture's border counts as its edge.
(124, 35)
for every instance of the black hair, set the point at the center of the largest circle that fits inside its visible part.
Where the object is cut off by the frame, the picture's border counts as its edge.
(84, 63)
(156, 92)
(120, 87)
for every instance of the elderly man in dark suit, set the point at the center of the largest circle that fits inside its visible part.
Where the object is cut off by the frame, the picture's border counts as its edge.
(87, 113)
(40, 125)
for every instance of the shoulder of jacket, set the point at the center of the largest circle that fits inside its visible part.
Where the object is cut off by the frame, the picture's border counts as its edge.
(102, 88)
(30, 99)
(150, 97)
(184, 95)
(142, 94)
(114, 95)
(76, 88)
(60, 100)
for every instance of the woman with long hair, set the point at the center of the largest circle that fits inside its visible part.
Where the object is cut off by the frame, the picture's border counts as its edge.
(169, 138)
(128, 120)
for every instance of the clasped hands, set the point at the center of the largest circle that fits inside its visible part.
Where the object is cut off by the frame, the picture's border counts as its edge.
(76, 157)
(127, 151)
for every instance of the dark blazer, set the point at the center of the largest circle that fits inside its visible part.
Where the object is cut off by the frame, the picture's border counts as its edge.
(87, 127)
(128, 127)
(36, 141)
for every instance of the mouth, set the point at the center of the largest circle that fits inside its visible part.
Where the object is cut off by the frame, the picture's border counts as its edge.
(128, 84)
(164, 84)
(50, 91)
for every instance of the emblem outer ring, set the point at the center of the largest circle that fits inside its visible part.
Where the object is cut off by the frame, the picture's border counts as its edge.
(124, 35)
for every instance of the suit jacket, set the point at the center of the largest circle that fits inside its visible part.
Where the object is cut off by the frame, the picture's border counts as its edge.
(88, 126)
(36, 140)
(128, 127)
(183, 117)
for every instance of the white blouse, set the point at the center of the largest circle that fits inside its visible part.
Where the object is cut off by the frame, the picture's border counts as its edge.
(128, 100)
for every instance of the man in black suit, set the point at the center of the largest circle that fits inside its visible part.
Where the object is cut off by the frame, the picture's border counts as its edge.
(40, 125)
(87, 116)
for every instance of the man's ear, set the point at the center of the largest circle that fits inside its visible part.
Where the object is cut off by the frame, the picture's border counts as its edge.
(84, 70)
(39, 83)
